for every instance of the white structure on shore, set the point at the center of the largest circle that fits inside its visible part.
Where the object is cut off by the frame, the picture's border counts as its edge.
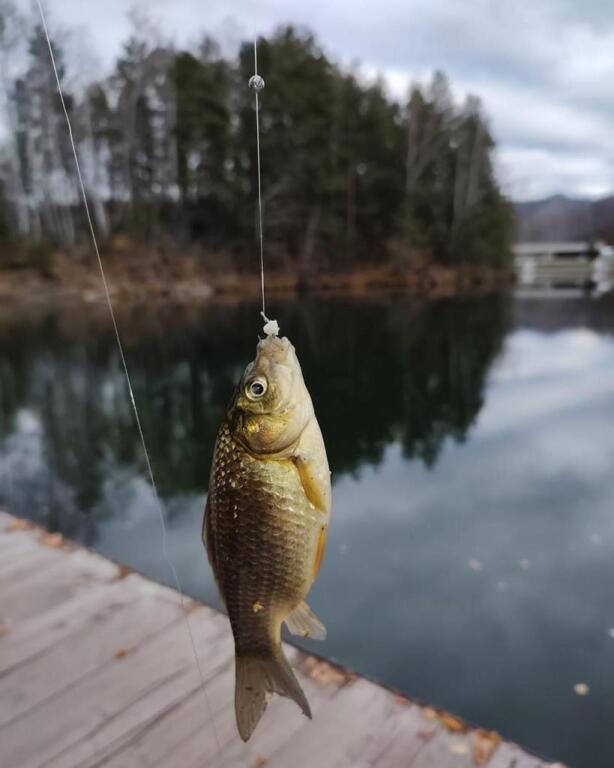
(554, 263)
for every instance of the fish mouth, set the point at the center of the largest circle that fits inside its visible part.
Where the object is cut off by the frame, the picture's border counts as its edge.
(275, 349)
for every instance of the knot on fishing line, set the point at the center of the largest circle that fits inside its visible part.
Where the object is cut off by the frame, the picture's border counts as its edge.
(271, 327)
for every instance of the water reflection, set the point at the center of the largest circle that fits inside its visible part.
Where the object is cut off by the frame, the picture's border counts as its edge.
(471, 549)
(379, 372)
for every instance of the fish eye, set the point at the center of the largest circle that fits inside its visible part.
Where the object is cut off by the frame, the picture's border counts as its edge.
(256, 388)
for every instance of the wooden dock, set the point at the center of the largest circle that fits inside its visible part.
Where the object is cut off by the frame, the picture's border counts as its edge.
(97, 669)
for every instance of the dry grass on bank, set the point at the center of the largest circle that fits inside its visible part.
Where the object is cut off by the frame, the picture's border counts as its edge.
(134, 274)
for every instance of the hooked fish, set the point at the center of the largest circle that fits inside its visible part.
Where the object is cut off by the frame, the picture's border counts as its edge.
(265, 523)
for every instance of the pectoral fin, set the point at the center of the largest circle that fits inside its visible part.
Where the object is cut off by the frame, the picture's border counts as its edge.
(310, 461)
(303, 622)
(317, 488)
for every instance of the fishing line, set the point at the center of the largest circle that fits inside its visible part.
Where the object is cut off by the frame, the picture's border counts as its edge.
(126, 373)
(256, 83)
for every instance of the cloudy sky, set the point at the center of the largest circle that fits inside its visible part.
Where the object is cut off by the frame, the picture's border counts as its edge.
(544, 70)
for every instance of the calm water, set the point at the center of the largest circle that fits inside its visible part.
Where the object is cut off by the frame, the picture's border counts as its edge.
(471, 554)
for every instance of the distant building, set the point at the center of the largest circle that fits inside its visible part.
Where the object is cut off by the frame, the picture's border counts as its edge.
(559, 250)
(564, 262)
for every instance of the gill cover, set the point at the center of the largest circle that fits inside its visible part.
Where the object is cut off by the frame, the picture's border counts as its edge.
(272, 406)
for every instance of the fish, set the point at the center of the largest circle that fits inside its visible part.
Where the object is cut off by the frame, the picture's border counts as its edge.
(265, 523)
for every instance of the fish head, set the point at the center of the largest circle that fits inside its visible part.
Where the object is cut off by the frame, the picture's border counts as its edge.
(271, 406)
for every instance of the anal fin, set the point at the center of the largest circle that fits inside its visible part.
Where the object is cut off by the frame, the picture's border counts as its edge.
(302, 621)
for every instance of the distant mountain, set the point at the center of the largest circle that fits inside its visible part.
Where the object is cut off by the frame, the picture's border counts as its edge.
(565, 218)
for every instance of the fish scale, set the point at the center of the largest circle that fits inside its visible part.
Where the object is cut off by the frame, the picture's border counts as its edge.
(265, 534)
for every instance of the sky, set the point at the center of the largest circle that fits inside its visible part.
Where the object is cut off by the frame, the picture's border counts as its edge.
(544, 70)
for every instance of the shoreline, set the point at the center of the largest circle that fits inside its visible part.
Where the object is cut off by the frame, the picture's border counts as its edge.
(192, 286)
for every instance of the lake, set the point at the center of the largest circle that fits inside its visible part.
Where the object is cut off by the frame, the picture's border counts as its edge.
(470, 560)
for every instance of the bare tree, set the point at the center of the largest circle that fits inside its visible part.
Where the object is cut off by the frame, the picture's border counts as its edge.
(12, 31)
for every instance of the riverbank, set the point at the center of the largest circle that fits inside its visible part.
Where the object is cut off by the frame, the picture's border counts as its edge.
(183, 278)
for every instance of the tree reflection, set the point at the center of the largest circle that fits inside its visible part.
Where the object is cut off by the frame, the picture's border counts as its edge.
(397, 371)
(379, 372)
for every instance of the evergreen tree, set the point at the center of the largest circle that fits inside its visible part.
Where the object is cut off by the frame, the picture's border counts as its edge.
(168, 149)
(205, 164)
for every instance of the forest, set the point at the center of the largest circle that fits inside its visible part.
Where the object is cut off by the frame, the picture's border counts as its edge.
(166, 141)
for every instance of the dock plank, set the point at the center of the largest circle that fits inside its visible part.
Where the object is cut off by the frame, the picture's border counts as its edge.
(345, 733)
(28, 560)
(511, 756)
(444, 748)
(29, 638)
(108, 739)
(97, 669)
(283, 720)
(118, 627)
(72, 572)
(186, 730)
(408, 731)
(107, 698)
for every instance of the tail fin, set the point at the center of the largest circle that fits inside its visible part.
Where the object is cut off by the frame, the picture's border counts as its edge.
(255, 677)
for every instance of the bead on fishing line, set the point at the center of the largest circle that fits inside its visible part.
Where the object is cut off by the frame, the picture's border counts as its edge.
(256, 83)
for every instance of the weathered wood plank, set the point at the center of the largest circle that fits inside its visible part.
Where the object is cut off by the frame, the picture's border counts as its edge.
(407, 731)
(510, 756)
(33, 636)
(185, 736)
(18, 547)
(444, 748)
(344, 729)
(117, 627)
(98, 670)
(187, 728)
(103, 744)
(281, 722)
(108, 697)
(14, 542)
(29, 638)
(15, 565)
(14, 529)
(35, 593)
